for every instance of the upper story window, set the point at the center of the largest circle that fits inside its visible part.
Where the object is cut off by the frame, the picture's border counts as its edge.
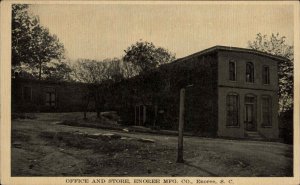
(266, 75)
(232, 109)
(232, 70)
(249, 99)
(250, 72)
(27, 93)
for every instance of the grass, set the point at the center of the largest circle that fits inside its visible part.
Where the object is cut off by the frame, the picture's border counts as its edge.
(106, 145)
(45, 148)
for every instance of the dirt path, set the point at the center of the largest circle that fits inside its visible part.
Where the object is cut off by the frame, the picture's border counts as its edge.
(41, 147)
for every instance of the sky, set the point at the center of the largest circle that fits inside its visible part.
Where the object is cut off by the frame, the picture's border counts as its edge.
(106, 30)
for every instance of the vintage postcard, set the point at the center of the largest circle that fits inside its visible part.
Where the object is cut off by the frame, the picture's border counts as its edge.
(150, 92)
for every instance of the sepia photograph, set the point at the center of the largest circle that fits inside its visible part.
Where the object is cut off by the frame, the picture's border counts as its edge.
(151, 89)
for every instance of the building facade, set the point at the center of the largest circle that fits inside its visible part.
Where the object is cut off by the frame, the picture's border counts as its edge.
(247, 94)
(230, 92)
(30, 95)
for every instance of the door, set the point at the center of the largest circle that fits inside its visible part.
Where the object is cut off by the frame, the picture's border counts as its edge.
(249, 117)
(140, 115)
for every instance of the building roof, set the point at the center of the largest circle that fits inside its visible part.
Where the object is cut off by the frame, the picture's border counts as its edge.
(47, 82)
(203, 52)
(235, 49)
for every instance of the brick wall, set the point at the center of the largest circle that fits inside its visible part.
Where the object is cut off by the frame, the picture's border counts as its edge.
(161, 87)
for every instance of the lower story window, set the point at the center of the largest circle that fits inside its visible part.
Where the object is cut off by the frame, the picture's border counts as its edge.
(50, 99)
(232, 110)
(266, 111)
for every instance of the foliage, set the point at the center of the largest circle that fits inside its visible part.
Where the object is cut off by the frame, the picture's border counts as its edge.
(286, 126)
(58, 70)
(98, 72)
(101, 75)
(54, 70)
(128, 69)
(33, 47)
(276, 45)
(21, 25)
(145, 56)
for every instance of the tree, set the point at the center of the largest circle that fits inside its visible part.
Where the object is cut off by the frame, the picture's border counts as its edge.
(128, 70)
(32, 44)
(21, 33)
(97, 72)
(145, 56)
(100, 75)
(58, 70)
(276, 45)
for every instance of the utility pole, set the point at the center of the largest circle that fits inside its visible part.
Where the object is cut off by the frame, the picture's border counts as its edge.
(180, 127)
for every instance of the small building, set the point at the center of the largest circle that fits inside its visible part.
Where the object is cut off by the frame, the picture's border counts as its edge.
(30, 95)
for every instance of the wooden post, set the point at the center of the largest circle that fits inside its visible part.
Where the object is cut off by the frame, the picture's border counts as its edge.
(144, 114)
(86, 108)
(180, 127)
(155, 115)
(135, 117)
(139, 115)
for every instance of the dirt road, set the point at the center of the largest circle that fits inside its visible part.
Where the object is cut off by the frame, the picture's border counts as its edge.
(42, 147)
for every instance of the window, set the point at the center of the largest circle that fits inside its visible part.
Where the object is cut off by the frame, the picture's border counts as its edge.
(266, 111)
(249, 99)
(266, 75)
(167, 84)
(249, 72)
(50, 99)
(232, 110)
(27, 92)
(232, 71)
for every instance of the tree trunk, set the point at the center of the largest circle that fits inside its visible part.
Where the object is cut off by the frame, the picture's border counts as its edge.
(97, 102)
(86, 108)
(40, 88)
(181, 127)
(98, 105)
(84, 115)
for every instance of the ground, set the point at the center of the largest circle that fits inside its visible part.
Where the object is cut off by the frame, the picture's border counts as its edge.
(41, 146)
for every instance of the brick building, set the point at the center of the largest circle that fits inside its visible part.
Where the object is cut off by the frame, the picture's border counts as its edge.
(30, 95)
(231, 92)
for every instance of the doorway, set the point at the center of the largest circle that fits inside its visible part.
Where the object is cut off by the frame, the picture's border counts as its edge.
(250, 113)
